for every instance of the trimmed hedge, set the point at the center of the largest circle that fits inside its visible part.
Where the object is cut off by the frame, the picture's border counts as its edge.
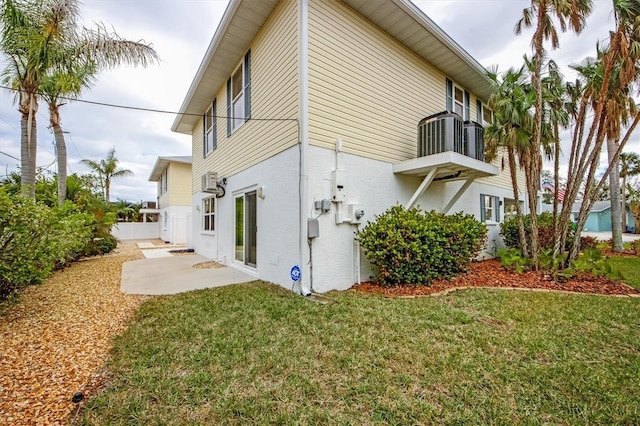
(546, 238)
(415, 247)
(35, 239)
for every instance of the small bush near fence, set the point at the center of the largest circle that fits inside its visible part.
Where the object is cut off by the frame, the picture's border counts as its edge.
(35, 239)
(415, 247)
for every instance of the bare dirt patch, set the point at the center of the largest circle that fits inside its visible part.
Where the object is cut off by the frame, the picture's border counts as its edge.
(208, 265)
(55, 340)
(490, 273)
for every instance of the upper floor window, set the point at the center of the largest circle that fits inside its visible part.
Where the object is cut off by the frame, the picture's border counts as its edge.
(458, 100)
(210, 129)
(487, 115)
(164, 181)
(484, 114)
(239, 95)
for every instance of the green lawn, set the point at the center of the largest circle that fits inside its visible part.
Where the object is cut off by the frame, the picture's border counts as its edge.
(257, 354)
(629, 269)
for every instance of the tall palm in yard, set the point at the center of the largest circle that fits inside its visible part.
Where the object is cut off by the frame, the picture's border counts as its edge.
(541, 13)
(615, 72)
(107, 169)
(32, 46)
(42, 41)
(629, 167)
(558, 107)
(56, 87)
(511, 102)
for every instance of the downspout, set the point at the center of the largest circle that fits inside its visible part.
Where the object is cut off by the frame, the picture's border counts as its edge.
(303, 87)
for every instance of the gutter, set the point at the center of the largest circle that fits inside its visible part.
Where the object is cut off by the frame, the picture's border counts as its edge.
(303, 88)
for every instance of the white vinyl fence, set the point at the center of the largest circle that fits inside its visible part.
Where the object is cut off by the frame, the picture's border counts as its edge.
(136, 230)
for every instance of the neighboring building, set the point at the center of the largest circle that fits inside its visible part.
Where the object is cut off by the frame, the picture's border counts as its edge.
(306, 113)
(599, 218)
(173, 175)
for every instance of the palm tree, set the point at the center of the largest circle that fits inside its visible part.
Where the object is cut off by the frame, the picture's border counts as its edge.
(558, 108)
(55, 88)
(511, 102)
(31, 45)
(107, 169)
(615, 71)
(629, 166)
(44, 44)
(569, 13)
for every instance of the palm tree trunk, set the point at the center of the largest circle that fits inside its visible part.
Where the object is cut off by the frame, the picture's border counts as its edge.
(623, 203)
(614, 185)
(61, 156)
(516, 196)
(28, 151)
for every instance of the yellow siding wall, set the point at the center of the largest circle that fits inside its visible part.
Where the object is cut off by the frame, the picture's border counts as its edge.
(503, 179)
(179, 184)
(377, 112)
(274, 94)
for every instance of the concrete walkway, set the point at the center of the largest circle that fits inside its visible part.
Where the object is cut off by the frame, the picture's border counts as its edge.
(606, 235)
(175, 274)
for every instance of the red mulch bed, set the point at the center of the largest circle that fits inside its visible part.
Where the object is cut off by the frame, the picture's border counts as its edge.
(490, 273)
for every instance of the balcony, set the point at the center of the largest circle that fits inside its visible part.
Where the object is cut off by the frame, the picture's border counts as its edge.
(448, 149)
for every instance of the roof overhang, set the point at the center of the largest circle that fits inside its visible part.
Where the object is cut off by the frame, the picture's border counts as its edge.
(239, 26)
(162, 163)
(402, 19)
(409, 25)
(449, 164)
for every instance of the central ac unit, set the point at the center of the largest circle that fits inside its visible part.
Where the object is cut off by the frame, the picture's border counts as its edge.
(209, 182)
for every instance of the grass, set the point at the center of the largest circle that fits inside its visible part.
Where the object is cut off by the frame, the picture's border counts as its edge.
(257, 354)
(628, 268)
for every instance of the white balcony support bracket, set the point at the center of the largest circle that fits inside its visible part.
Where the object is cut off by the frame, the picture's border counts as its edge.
(423, 187)
(458, 194)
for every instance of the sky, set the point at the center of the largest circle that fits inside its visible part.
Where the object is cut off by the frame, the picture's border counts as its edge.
(180, 31)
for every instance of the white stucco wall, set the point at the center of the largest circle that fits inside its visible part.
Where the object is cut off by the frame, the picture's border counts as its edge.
(277, 217)
(370, 183)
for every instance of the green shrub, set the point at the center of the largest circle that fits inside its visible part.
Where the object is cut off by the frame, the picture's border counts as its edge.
(546, 237)
(512, 258)
(35, 239)
(415, 247)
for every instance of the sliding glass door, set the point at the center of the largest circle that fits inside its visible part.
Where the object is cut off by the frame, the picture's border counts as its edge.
(246, 228)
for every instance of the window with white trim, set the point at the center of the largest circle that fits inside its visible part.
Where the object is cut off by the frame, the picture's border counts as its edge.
(239, 95)
(210, 129)
(487, 116)
(484, 115)
(164, 181)
(458, 100)
(489, 208)
(209, 214)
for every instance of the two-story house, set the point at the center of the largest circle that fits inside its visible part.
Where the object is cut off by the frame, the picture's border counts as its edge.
(173, 177)
(309, 117)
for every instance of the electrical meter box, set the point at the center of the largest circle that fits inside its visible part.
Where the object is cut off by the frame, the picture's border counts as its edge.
(313, 228)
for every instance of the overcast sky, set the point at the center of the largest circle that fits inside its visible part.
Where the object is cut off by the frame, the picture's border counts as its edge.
(180, 31)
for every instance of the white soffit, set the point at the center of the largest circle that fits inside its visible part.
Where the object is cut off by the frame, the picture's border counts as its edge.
(409, 25)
